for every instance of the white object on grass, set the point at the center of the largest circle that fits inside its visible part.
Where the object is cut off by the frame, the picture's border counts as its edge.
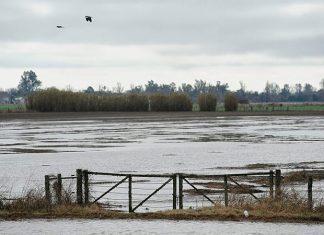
(246, 214)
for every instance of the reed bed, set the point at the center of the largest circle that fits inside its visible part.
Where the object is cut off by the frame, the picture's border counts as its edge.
(54, 100)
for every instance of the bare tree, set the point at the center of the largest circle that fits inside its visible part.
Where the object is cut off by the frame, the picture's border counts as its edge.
(322, 84)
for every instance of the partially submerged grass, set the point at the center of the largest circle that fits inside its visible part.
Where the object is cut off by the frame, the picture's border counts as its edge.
(302, 176)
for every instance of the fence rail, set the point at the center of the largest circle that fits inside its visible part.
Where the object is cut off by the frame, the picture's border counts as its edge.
(90, 189)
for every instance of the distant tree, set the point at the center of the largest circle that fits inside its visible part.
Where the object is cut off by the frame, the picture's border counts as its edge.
(12, 93)
(200, 86)
(322, 84)
(28, 83)
(271, 91)
(285, 92)
(119, 88)
(89, 90)
(151, 87)
(187, 88)
(136, 89)
(242, 87)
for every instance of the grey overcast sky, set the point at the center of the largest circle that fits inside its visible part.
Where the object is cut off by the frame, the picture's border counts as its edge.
(133, 41)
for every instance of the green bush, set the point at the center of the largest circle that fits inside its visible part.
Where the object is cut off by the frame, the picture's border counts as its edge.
(207, 102)
(230, 102)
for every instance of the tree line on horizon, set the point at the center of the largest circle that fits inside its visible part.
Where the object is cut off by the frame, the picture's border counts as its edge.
(29, 83)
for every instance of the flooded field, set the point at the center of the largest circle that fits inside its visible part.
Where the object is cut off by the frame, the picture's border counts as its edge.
(30, 149)
(153, 227)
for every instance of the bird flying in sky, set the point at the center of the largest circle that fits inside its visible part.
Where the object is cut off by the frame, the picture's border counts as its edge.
(88, 18)
(59, 27)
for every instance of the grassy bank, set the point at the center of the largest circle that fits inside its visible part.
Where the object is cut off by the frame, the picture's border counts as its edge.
(289, 207)
(269, 212)
(9, 108)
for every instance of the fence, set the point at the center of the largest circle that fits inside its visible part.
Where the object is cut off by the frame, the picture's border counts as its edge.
(130, 192)
(54, 187)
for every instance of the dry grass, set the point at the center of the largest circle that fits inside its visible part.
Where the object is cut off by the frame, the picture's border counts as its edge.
(290, 207)
(302, 176)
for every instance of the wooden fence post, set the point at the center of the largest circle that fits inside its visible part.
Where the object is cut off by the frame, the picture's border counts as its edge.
(86, 186)
(225, 190)
(130, 206)
(47, 189)
(174, 192)
(79, 186)
(310, 192)
(278, 183)
(271, 183)
(180, 192)
(59, 189)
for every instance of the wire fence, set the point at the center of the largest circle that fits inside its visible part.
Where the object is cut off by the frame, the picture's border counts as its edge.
(156, 192)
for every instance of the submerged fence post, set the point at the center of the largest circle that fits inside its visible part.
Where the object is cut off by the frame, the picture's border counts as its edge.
(278, 183)
(79, 186)
(59, 189)
(180, 191)
(225, 190)
(130, 206)
(271, 183)
(174, 192)
(310, 192)
(47, 189)
(86, 186)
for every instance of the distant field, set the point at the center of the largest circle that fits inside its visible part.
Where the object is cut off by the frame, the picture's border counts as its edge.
(263, 107)
(12, 108)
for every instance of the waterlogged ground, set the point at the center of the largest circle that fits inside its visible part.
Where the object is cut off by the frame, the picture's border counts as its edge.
(103, 227)
(29, 149)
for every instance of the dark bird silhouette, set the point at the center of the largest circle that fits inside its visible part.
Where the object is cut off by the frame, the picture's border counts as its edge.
(88, 18)
(59, 27)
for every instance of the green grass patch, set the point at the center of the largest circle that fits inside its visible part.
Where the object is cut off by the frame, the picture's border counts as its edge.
(282, 107)
(7, 108)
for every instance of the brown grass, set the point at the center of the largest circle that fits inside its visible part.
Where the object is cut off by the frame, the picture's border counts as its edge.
(290, 207)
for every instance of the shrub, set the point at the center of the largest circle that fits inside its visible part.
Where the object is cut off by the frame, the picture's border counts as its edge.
(173, 102)
(207, 102)
(180, 102)
(159, 102)
(230, 102)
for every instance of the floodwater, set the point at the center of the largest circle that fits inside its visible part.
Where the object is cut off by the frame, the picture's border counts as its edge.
(30, 149)
(123, 227)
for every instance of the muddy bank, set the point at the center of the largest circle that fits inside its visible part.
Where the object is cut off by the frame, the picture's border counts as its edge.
(147, 115)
